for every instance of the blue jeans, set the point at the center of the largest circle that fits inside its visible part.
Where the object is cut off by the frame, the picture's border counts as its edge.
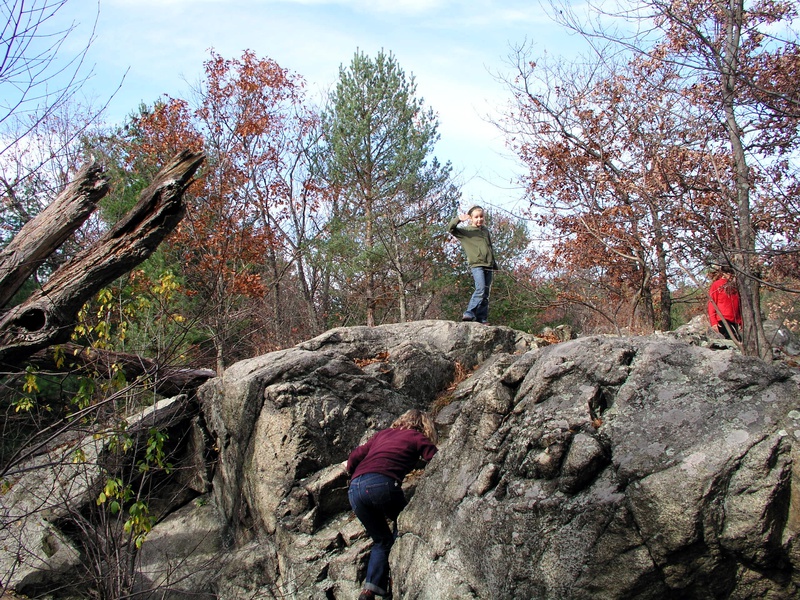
(375, 499)
(479, 302)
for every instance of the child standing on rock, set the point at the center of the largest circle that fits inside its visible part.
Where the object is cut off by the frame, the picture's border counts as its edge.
(724, 310)
(477, 244)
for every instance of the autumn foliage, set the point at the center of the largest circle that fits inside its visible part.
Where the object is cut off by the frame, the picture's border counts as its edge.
(662, 153)
(666, 152)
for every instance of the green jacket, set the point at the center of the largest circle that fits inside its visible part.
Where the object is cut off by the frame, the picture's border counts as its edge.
(477, 244)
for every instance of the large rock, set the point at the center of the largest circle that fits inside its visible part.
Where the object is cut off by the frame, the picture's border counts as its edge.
(602, 467)
(285, 423)
(612, 468)
(781, 338)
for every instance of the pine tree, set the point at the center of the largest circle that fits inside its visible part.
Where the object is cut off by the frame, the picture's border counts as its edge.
(378, 137)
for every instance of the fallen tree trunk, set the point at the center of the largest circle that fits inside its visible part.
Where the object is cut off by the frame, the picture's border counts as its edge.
(42, 235)
(167, 381)
(48, 316)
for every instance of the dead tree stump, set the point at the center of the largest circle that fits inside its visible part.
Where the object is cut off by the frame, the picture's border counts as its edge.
(49, 315)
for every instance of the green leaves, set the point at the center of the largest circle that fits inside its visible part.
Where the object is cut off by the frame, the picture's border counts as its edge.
(139, 522)
(391, 195)
(377, 131)
(154, 452)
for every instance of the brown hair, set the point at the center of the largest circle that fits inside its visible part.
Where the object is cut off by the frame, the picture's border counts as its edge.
(418, 421)
(474, 208)
(723, 270)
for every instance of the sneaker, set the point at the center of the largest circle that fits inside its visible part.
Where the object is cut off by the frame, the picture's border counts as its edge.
(467, 316)
(366, 595)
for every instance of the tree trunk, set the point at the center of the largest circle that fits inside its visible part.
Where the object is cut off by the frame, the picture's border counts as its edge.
(423, 308)
(48, 316)
(646, 296)
(665, 296)
(43, 235)
(167, 381)
(370, 241)
(401, 284)
(753, 337)
(401, 295)
(312, 314)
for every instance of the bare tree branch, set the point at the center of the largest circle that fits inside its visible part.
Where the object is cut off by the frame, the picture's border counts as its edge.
(33, 77)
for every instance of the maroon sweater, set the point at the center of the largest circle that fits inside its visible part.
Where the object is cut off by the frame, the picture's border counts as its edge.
(392, 452)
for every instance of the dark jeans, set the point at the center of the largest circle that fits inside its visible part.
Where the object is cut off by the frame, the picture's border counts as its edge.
(479, 302)
(375, 499)
(734, 328)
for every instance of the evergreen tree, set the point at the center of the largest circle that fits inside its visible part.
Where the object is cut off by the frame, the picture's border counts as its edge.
(378, 137)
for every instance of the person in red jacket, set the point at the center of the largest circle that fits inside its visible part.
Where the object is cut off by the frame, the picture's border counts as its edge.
(377, 470)
(723, 305)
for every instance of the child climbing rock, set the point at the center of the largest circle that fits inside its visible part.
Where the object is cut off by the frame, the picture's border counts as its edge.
(377, 469)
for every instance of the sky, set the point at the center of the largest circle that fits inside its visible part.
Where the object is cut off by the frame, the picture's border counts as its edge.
(454, 49)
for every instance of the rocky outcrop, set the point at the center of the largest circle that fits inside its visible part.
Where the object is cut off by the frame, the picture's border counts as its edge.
(611, 468)
(601, 467)
(288, 420)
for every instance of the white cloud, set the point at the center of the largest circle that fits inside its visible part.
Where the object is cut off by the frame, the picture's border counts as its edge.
(450, 46)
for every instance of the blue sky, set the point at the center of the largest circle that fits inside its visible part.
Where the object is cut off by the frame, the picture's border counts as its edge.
(452, 48)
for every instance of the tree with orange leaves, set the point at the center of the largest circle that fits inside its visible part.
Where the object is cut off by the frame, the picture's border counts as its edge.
(609, 182)
(238, 245)
(255, 119)
(709, 169)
